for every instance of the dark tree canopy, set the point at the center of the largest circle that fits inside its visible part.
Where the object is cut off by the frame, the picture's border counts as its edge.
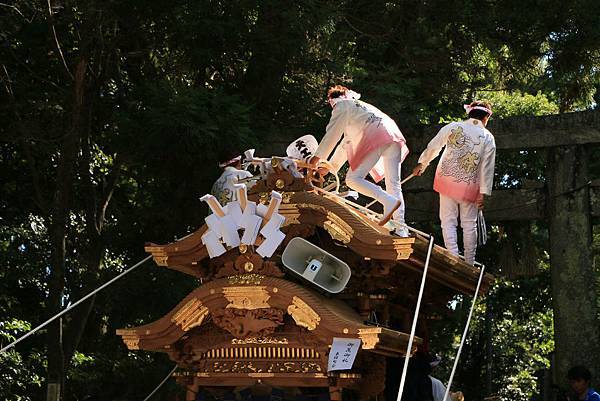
(116, 113)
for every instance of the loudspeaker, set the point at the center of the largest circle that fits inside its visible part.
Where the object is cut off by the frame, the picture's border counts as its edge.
(316, 265)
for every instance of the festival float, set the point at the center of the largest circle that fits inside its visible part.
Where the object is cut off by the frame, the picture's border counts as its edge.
(303, 294)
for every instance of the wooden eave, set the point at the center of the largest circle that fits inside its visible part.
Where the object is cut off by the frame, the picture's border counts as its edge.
(348, 226)
(323, 317)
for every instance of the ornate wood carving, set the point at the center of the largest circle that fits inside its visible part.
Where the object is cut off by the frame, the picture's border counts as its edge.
(130, 338)
(243, 323)
(263, 367)
(303, 314)
(245, 262)
(246, 279)
(191, 315)
(247, 297)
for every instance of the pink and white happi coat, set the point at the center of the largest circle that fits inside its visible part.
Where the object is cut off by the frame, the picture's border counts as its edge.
(466, 168)
(364, 128)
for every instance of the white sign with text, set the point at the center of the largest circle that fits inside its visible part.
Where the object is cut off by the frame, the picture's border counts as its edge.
(342, 354)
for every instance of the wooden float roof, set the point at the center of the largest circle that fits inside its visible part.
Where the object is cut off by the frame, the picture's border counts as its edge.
(322, 317)
(347, 226)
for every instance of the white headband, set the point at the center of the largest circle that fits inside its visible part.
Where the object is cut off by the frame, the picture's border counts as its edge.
(349, 94)
(468, 109)
(228, 162)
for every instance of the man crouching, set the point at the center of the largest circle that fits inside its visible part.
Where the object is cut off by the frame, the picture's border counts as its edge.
(367, 136)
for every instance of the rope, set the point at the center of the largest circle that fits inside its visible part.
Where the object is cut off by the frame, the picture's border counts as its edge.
(415, 318)
(85, 298)
(464, 335)
(161, 383)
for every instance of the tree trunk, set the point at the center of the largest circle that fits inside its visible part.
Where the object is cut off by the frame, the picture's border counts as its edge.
(573, 289)
(62, 204)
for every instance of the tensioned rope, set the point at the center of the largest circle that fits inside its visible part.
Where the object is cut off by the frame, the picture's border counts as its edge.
(415, 319)
(464, 335)
(85, 298)
(161, 383)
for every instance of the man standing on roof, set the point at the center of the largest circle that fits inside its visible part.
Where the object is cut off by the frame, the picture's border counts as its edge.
(370, 142)
(223, 189)
(464, 174)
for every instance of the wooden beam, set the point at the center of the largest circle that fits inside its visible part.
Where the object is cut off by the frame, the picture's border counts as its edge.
(503, 205)
(578, 128)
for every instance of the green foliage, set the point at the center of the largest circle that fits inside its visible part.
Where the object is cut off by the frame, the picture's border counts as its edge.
(516, 322)
(170, 88)
(517, 103)
(19, 374)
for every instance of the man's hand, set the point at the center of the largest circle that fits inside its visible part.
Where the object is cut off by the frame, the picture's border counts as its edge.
(418, 170)
(458, 396)
(314, 161)
(480, 201)
(323, 171)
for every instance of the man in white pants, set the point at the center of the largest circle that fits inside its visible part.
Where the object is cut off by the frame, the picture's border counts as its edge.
(370, 142)
(464, 174)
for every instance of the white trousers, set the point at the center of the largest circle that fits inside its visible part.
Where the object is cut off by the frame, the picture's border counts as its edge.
(450, 210)
(392, 159)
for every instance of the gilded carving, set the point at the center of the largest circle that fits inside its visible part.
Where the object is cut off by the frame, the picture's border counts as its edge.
(247, 297)
(263, 198)
(130, 338)
(369, 337)
(132, 343)
(286, 197)
(403, 253)
(242, 323)
(259, 340)
(336, 232)
(192, 314)
(338, 229)
(263, 368)
(303, 314)
(161, 260)
(252, 278)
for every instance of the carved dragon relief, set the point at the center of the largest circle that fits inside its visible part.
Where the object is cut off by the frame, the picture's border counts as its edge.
(244, 323)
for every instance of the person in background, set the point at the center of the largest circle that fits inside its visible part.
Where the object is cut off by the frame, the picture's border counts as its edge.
(223, 189)
(370, 142)
(580, 379)
(464, 174)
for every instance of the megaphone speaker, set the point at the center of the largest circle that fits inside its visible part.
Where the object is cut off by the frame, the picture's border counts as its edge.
(316, 265)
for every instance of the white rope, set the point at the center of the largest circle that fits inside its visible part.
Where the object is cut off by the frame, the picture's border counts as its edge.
(464, 336)
(161, 383)
(47, 322)
(414, 323)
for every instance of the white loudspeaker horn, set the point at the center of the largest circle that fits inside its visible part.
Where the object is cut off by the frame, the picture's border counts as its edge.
(316, 265)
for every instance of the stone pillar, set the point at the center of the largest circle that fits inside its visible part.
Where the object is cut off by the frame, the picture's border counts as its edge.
(573, 282)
